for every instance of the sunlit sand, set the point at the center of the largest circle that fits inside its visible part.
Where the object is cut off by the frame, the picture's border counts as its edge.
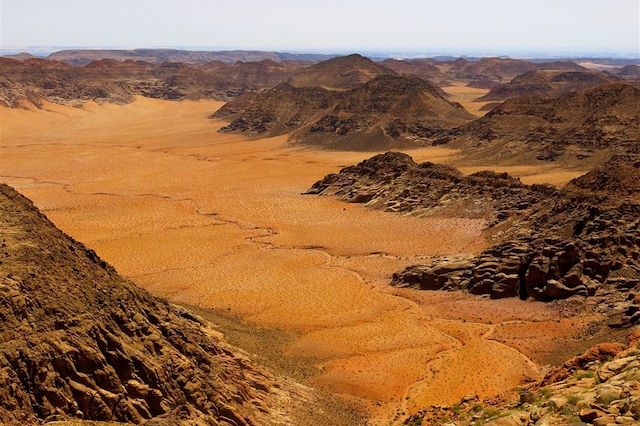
(218, 221)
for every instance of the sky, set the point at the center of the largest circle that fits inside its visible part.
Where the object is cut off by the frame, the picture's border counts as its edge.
(549, 27)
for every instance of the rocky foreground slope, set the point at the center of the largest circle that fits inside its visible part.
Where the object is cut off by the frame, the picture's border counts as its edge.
(80, 342)
(550, 243)
(600, 387)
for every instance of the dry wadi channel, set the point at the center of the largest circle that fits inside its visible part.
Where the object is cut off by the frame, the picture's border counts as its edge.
(218, 222)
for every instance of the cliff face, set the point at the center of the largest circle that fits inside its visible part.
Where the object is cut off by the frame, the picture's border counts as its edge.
(80, 342)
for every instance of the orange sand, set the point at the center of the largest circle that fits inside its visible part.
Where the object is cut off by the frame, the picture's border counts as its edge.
(467, 97)
(219, 221)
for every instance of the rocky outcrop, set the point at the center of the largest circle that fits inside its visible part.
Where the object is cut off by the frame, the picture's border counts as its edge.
(275, 111)
(395, 183)
(546, 83)
(581, 240)
(603, 118)
(424, 68)
(80, 342)
(387, 111)
(599, 387)
(340, 73)
(483, 83)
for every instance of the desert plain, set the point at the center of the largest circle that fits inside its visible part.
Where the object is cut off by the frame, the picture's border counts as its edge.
(219, 222)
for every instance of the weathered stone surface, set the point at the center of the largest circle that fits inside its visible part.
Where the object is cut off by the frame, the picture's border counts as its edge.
(597, 387)
(79, 341)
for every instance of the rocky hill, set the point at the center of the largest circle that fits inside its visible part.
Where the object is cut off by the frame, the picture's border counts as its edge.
(546, 83)
(424, 68)
(275, 111)
(483, 83)
(387, 111)
(158, 56)
(605, 117)
(108, 80)
(80, 342)
(500, 70)
(550, 244)
(628, 71)
(599, 387)
(341, 73)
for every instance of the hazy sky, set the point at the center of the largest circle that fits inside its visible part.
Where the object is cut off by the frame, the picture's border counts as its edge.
(552, 26)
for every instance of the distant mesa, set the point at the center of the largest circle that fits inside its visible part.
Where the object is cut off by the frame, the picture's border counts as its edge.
(157, 56)
(109, 80)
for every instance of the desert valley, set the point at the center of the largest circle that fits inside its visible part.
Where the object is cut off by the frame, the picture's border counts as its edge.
(260, 238)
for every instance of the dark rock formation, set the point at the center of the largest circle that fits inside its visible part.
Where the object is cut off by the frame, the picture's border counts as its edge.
(108, 80)
(546, 83)
(602, 118)
(340, 73)
(387, 111)
(394, 182)
(579, 240)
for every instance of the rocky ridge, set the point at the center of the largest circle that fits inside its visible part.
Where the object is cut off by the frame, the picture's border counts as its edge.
(387, 111)
(550, 243)
(108, 80)
(80, 57)
(546, 83)
(80, 342)
(606, 117)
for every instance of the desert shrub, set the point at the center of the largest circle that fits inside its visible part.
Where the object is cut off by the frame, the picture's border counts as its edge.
(607, 398)
(585, 374)
(573, 399)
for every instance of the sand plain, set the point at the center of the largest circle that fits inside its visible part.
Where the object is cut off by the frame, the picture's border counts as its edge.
(218, 221)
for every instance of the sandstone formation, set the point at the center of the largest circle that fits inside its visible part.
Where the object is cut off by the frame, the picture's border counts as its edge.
(80, 342)
(583, 239)
(631, 72)
(599, 387)
(341, 73)
(483, 83)
(424, 68)
(108, 80)
(606, 117)
(81, 57)
(387, 111)
(395, 183)
(275, 111)
(546, 83)
(499, 70)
